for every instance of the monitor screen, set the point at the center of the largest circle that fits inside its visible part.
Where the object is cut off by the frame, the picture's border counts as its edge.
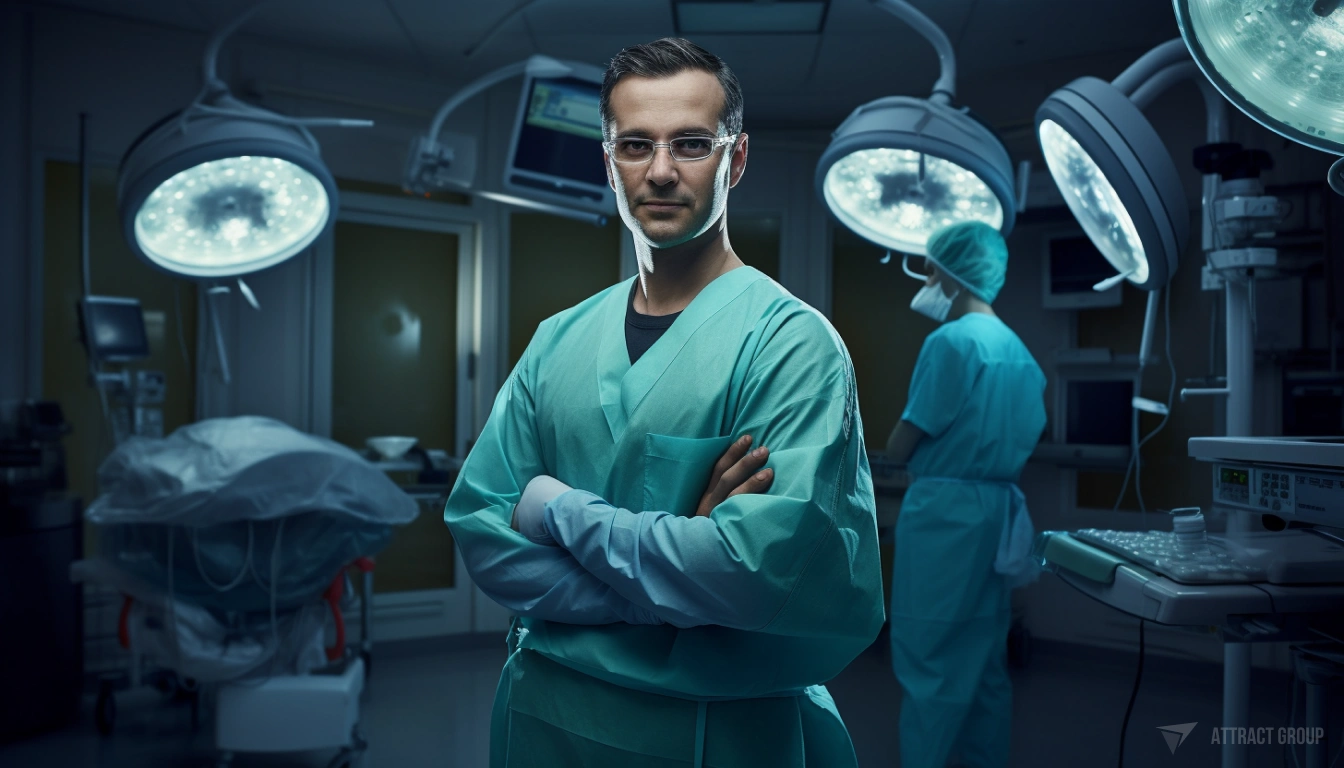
(1072, 266)
(560, 134)
(1076, 265)
(113, 328)
(1099, 411)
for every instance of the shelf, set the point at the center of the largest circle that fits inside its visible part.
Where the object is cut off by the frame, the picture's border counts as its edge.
(1087, 457)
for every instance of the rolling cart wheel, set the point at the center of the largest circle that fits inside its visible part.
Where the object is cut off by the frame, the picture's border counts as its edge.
(105, 709)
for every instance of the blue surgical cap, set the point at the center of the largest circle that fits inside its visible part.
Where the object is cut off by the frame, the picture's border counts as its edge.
(974, 254)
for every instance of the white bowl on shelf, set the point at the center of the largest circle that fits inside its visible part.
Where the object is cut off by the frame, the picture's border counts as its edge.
(391, 448)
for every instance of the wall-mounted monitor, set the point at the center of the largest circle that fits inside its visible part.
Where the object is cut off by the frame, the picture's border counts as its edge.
(1070, 266)
(113, 329)
(556, 151)
(1092, 418)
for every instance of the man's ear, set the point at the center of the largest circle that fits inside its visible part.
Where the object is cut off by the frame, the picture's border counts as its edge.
(739, 162)
(606, 163)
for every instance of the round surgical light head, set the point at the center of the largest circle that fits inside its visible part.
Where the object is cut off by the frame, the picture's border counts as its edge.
(1117, 178)
(223, 196)
(1280, 62)
(900, 168)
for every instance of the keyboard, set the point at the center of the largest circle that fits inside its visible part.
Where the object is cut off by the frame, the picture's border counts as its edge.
(1159, 551)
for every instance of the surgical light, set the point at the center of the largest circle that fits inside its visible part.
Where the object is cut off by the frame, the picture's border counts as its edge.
(899, 168)
(223, 188)
(1094, 202)
(1114, 172)
(229, 197)
(1281, 63)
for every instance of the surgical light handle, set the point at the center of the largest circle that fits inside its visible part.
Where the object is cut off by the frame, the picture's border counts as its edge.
(945, 89)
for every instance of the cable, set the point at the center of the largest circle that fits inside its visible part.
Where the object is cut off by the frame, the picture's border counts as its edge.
(181, 337)
(275, 566)
(1171, 394)
(1135, 461)
(200, 569)
(1138, 677)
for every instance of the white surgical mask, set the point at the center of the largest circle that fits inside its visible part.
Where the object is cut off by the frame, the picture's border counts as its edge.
(932, 302)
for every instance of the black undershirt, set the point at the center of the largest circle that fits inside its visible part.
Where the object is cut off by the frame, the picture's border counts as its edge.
(641, 331)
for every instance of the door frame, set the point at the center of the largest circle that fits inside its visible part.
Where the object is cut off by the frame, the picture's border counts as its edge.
(428, 612)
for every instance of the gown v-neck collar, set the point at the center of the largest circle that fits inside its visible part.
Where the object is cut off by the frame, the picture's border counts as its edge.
(622, 386)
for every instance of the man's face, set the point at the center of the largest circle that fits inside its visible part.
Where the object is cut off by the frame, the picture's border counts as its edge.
(670, 202)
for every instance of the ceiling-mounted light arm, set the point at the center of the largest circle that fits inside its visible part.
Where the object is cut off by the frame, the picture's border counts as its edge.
(1161, 81)
(1150, 63)
(945, 89)
(1215, 124)
(216, 42)
(538, 66)
(433, 163)
(215, 99)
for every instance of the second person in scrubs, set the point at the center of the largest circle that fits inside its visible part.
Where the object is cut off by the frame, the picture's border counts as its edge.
(975, 413)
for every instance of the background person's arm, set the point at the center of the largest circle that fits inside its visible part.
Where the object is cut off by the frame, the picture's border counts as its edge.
(903, 441)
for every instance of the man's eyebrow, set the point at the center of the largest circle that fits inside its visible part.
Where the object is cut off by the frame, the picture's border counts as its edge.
(696, 130)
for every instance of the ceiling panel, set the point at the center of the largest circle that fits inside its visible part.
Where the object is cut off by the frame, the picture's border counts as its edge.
(359, 29)
(849, 17)
(184, 15)
(865, 53)
(590, 49)
(1002, 32)
(639, 21)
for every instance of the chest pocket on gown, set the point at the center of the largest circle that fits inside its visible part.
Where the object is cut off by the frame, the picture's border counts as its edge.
(676, 471)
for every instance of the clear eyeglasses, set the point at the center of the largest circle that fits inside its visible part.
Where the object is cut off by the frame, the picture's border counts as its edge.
(631, 151)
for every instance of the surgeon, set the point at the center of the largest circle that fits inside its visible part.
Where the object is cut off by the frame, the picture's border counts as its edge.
(678, 602)
(975, 412)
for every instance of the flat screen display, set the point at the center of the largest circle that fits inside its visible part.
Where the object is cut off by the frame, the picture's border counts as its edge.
(114, 329)
(560, 135)
(1099, 412)
(1076, 265)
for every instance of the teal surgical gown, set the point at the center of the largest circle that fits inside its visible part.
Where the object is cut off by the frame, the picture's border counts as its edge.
(649, 636)
(979, 396)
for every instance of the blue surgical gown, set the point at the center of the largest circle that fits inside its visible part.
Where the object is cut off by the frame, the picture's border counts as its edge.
(978, 395)
(650, 636)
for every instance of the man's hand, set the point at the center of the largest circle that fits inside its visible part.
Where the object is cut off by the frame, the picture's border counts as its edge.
(529, 514)
(734, 473)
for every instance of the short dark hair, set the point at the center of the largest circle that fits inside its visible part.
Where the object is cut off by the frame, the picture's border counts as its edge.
(667, 57)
